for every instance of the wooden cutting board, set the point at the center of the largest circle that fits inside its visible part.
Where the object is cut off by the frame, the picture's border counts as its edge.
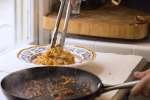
(109, 22)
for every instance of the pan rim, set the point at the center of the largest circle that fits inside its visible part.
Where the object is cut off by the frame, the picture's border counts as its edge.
(49, 67)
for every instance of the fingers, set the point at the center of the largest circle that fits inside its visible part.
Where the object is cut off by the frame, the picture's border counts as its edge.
(138, 88)
(73, 3)
(142, 86)
(139, 75)
(147, 91)
(58, 98)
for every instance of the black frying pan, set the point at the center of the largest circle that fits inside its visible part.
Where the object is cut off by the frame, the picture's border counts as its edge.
(59, 83)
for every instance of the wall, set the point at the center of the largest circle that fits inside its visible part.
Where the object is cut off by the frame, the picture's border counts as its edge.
(138, 4)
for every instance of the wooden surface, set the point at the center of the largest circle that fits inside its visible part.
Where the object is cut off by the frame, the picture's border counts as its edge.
(112, 22)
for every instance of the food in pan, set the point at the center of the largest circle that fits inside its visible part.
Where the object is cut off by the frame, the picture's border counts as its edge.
(55, 56)
(63, 87)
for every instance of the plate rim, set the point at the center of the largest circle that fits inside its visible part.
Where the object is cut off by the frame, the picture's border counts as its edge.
(78, 46)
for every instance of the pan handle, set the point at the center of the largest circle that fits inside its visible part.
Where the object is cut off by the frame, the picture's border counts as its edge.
(120, 86)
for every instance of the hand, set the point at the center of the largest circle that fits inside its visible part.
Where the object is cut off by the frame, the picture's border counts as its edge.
(144, 85)
(72, 2)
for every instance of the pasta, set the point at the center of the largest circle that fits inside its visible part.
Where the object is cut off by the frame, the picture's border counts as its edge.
(55, 56)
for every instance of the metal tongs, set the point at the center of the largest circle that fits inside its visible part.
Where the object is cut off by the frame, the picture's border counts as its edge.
(57, 24)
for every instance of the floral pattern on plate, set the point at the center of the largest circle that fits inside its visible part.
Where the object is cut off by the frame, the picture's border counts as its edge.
(81, 54)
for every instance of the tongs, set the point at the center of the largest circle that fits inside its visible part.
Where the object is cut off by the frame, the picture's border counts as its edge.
(57, 24)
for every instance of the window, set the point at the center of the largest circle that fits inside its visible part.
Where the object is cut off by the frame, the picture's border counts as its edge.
(16, 22)
(23, 20)
(7, 26)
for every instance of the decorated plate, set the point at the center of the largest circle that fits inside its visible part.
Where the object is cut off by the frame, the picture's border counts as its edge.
(82, 55)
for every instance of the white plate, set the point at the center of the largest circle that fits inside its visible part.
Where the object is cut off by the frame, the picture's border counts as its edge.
(82, 54)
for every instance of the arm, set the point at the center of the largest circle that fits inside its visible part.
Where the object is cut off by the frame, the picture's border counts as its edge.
(72, 2)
